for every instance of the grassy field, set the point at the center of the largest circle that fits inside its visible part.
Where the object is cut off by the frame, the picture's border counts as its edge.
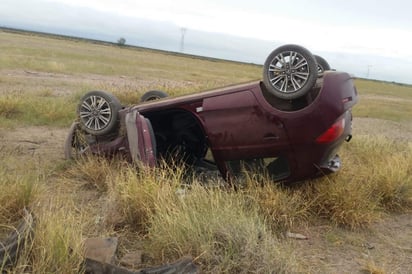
(388, 101)
(41, 81)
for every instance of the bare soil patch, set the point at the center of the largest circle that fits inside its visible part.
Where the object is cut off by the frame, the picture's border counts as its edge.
(42, 144)
(385, 247)
(399, 131)
(62, 83)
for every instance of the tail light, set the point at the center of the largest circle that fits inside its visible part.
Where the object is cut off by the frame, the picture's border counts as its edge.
(332, 133)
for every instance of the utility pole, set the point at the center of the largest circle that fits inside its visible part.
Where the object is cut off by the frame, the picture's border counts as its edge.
(182, 39)
(369, 68)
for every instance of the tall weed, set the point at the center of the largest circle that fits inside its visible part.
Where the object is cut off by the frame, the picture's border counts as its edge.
(57, 246)
(222, 230)
(282, 207)
(376, 178)
(135, 192)
(386, 166)
(10, 106)
(17, 192)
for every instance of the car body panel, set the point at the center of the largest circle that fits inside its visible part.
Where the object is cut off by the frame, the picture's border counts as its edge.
(241, 124)
(235, 124)
(140, 141)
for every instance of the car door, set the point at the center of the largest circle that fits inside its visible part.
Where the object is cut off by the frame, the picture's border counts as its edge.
(238, 127)
(140, 137)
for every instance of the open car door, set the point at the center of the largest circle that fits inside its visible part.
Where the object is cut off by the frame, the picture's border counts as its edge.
(141, 140)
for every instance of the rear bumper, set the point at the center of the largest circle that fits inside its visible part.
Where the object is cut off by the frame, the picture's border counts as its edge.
(312, 160)
(331, 161)
(333, 165)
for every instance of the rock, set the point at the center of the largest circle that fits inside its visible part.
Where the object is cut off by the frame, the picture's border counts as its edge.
(100, 259)
(132, 259)
(183, 266)
(96, 267)
(296, 236)
(101, 249)
(11, 247)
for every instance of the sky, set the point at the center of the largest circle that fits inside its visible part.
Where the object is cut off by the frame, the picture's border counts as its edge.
(368, 38)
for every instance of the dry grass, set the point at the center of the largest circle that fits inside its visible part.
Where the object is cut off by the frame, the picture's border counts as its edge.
(385, 166)
(36, 109)
(384, 101)
(18, 191)
(365, 189)
(57, 246)
(376, 178)
(223, 230)
(388, 90)
(93, 173)
(56, 56)
(370, 267)
(43, 78)
(283, 208)
(9, 106)
(135, 195)
(231, 231)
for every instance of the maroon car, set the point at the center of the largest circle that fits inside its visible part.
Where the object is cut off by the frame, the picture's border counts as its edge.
(288, 126)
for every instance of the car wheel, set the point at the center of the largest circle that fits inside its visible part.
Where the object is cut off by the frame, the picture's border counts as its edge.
(98, 112)
(20, 237)
(76, 144)
(289, 72)
(153, 95)
(323, 65)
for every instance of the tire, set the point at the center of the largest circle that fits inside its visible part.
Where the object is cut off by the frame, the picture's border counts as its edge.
(13, 245)
(323, 65)
(153, 95)
(76, 144)
(289, 72)
(98, 112)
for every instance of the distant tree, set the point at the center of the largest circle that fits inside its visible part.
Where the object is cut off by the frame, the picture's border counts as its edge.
(121, 41)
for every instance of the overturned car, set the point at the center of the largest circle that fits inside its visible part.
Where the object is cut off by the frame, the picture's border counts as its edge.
(289, 126)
